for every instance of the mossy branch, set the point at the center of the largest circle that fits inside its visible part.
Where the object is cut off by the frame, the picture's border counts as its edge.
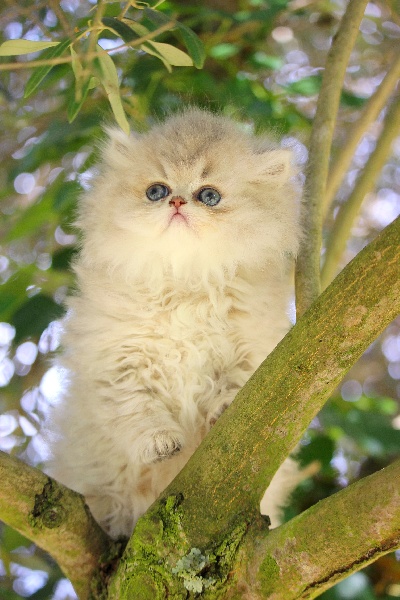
(220, 488)
(55, 518)
(348, 212)
(308, 261)
(369, 114)
(271, 412)
(336, 537)
(300, 559)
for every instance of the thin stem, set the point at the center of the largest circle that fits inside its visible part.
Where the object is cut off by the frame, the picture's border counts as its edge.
(348, 212)
(56, 8)
(95, 30)
(369, 114)
(96, 27)
(308, 262)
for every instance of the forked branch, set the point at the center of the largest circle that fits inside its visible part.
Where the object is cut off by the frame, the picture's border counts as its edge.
(308, 261)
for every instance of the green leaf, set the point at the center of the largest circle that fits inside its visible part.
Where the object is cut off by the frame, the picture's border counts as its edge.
(77, 100)
(82, 87)
(224, 51)
(32, 318)
(76, 64)
(65, 196)
(193, 44)
(120, 28)
(17, 47)
(368, 427)
(140, 29)
(61, 260)
(109, 79)
(40, 72)
(309, 86)
(59, 198)
(12, 539)
(13, 292)
(320, 448)
(150, 50)
(159, 18)
(168, 53)
(32, 218)
(267, 60)
(349, 99)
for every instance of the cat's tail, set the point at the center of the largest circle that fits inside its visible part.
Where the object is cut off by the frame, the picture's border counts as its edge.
(282, 485)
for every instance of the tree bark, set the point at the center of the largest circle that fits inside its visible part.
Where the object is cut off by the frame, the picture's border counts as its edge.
(206, 510)
(317, 169)
(55, 518)
(205, 533)
(336, 537)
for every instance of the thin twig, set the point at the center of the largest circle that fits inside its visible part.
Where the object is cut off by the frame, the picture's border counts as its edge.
(369, 114)
(308, 262)
(62, 19)
(68, 59)
(348, 212)
(97, 26)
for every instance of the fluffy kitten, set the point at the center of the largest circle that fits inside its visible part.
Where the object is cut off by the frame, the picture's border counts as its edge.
(188, 235)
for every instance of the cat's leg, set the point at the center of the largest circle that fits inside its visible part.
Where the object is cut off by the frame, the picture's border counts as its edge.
(121, 500)
(161, 444)
(145, 427)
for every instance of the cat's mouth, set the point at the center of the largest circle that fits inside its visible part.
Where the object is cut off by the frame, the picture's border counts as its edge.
(178, 217)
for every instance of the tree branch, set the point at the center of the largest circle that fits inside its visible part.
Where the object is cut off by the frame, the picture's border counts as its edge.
(348, 212)
(308, 261)
(55, 518)
(369, 114)
(301, 559)
(236, 461)
(218, 492)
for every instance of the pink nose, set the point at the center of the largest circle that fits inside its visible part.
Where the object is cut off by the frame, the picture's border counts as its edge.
(177, 201)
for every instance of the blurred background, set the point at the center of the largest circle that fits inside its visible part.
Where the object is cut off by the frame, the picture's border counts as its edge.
(264, 60)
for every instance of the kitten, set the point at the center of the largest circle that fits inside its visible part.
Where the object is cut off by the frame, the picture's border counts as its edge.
(189, 233)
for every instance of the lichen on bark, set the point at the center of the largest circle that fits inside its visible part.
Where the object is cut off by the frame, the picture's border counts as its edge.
(158, 560)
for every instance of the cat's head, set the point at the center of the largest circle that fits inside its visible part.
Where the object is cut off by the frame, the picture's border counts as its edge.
(195, 194)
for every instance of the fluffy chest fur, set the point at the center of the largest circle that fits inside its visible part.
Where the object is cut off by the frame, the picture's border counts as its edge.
(183, 345)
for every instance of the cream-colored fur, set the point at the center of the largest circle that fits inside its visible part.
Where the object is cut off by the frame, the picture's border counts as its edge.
(172, 314)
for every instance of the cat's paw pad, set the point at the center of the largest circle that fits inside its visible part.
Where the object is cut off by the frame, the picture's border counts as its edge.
(164, 445)
(214, 416)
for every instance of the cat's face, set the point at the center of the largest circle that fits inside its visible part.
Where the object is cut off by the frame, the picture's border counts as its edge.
(195, 192)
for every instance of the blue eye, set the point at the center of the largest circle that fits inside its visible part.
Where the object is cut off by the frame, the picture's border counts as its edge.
(209, 196)
(157, 191)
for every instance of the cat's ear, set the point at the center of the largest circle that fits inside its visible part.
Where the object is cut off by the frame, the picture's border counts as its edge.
(118, 147)
(275, 166)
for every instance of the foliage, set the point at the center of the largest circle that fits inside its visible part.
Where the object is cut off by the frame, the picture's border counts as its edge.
(132, 62)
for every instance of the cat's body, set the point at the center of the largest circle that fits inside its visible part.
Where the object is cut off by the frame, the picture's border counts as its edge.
(182, 293)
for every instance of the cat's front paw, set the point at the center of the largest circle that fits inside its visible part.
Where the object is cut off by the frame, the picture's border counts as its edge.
(163, 444)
